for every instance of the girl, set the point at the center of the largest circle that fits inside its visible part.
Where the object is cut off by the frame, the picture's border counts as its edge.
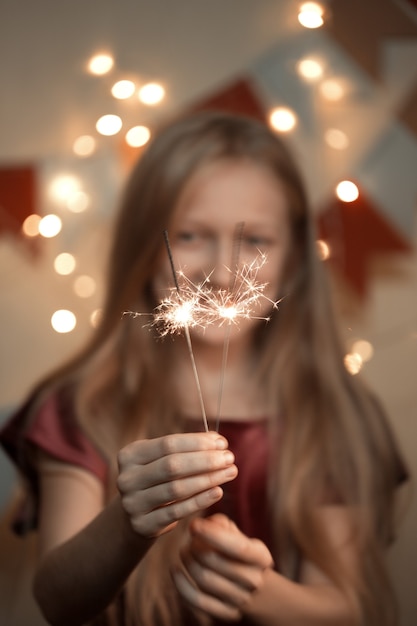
(283, 516)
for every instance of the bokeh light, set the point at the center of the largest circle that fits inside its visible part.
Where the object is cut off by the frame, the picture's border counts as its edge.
(84, 286)
(311, 15)
(100, 64)
(30, 226)
(282, 119)
(310, 69)
(63, 185)
(64, 263)
(84, 146)
(364, 348)
(138, 136)
(347, 191)
(78, 202)
(95, 317)
(50, 226)
(336, 139)
(123, 89)
(109, 125)
(63, 321)
(353, 363)
(332, 89)
(151, 93)
(323, 249)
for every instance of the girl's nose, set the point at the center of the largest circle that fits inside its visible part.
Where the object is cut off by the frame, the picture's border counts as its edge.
(221, 275)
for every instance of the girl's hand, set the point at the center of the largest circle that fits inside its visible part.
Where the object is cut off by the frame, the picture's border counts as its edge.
(222, 568)
(166, 479)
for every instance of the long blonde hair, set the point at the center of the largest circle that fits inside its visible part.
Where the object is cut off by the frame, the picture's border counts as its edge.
(336, 444)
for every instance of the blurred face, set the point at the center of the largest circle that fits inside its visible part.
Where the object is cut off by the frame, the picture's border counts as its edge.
(231, 216)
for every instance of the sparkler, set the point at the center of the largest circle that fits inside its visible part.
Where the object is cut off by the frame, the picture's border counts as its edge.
(198, 305)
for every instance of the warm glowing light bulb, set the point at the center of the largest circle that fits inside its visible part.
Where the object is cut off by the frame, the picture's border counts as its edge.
(311, 15)
(50, 226)
(323, 249)
(63, 321)
(63, 186)
(84, 146)
(282, 119)
(336, 139)
(347, 191)
(95, 317)
(109, 125)
(138, 136)
(353, 363)
(332, 89)
(151, 93)
(123, 89)
(30, 226)
(78, 202)
(84, 286)
(310, 69)
(100, 64)
(64, 263)
(364, 349)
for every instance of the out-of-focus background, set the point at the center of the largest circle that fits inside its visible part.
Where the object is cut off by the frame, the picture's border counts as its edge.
(338, 79)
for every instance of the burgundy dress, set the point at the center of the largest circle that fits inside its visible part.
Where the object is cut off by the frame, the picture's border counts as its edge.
(54, 429)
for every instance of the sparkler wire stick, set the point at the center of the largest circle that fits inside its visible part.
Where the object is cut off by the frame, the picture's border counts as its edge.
(237, 240)
(187, 336)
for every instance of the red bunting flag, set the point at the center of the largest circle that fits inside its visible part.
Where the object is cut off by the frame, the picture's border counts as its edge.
(357, 232)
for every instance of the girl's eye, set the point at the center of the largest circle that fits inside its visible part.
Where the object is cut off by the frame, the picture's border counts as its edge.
(186, 235)
(258, 241)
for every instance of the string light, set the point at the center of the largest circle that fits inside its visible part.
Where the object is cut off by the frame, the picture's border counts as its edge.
(138, 136)
(109, 125)
(123, 89)
(323, 249)
(100, 64)
(84, 146)
(50, 226)
(282, 119)
(347, 191)
(78, 202)
(332, 89)
(310, 69)
(63, 321)
(63, 186)
(30, 226)
(336, 139)
(84, 286)
(64, 263)
(311, 15)
(151, 94)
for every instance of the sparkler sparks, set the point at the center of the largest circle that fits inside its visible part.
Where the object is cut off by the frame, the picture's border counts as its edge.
(200, 305)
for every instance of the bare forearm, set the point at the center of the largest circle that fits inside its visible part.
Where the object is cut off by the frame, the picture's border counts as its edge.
(80, 578)
(282, 602)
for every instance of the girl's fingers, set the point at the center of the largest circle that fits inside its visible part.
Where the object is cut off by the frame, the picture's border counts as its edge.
(145, 451)
(248, 576)
(162, 519)
(180, 465)
(227, 539)
(212, 582)
(205, 602)
(164, 480)
(181, 490)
